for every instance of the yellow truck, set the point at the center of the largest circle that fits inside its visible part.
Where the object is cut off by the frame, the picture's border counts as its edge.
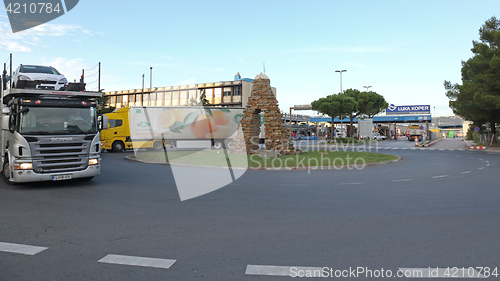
(116, 137)
(157, 127)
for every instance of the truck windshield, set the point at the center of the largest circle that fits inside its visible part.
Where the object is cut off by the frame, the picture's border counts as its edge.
(58, 121)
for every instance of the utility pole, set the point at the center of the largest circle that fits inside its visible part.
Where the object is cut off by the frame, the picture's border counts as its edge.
(99, 79)
(150, 85)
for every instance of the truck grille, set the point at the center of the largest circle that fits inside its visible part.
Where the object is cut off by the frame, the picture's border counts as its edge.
(59, 156)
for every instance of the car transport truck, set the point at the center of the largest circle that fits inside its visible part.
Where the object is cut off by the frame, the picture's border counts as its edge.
(157, 127)
(49, 135)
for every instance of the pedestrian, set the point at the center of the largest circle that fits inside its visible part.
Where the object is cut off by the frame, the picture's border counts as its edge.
(293, 136)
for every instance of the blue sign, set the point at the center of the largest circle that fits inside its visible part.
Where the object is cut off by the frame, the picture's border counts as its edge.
(408, 109)
(476, 129)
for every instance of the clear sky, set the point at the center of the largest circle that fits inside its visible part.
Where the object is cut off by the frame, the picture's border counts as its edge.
(403, 49)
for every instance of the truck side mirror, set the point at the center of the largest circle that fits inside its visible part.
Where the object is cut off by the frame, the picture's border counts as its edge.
(103, 122)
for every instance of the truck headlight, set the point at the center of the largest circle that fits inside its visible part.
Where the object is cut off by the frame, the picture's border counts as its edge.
(94, 161)
(23, 166)
(63, 81)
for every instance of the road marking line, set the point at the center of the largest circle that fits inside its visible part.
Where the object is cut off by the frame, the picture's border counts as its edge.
(487, 164)
(273, 270)
(460, 149)
(137, 261)
(395, 148)
(442, 176)
(441, 149)
(462, 173)
(20, 248)
(481, 168)
(293, 184)
(351, 183)
(480, 159)
(402, 180)
(413, 148)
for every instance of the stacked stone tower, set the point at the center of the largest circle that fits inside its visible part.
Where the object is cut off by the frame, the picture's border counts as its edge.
(263, 100)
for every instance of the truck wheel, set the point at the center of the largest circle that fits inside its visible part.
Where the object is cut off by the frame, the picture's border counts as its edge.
(118, 146)
(218, 145)
(6, 173)
(158, 145)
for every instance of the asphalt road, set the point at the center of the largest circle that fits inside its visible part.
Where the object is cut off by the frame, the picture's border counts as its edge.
(434, 208)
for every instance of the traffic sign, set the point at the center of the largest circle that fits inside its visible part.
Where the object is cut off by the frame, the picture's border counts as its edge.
(421, 127)
(476, 129)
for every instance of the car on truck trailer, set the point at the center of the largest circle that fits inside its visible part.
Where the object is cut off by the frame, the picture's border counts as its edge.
(157, 127)
(49, 135)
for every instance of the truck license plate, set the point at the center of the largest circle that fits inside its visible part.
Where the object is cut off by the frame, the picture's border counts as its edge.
(61, 177)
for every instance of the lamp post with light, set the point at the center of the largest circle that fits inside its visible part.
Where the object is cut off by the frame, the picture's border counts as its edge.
(367, 87)
(340, 71)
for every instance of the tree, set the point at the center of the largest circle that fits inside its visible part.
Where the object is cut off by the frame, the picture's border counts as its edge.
(335, 106)
(102, 104)
(368, 104)
(203, 99)
(478, 98)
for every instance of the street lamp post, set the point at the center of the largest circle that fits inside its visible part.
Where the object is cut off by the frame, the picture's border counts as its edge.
(150, 85)
(142, 93)
(340, 71)
(367, 87)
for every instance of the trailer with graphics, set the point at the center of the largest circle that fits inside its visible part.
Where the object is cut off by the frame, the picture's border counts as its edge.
(159, 127)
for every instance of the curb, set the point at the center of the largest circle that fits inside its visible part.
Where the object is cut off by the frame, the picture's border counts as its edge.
(432, 142)
(350, 167)
(475, 146)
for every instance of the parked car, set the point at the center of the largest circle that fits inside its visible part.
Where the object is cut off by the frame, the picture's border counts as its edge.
(377, 136)
(38, 77)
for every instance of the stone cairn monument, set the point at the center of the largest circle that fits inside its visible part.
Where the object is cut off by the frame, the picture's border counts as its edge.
(263, 100)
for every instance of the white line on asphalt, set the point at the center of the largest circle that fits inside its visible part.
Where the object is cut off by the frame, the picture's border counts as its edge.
(137, 261)
(402, 180)
(460, 149)
(351, 183)
(487, 161)
(395, 148)
(462, 173)
(273, 270)
(442, 176)
(441, 149)
(480, 159)
(487, 164)
(20, 248)
(413, 148)
(481, 168)
(293, 184)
